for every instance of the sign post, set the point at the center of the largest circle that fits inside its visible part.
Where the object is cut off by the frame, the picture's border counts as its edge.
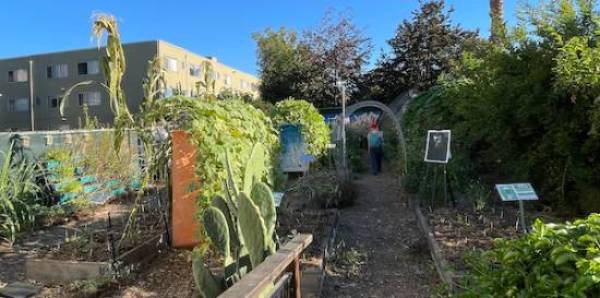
(437, 151)
(518, 192)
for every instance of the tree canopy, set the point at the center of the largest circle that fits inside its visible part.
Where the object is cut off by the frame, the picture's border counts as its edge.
(309, 66)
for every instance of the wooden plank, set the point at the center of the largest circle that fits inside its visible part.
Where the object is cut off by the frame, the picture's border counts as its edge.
(53, 271)
(296, 277)
(270, 269)
(439, 262)
(143, 252)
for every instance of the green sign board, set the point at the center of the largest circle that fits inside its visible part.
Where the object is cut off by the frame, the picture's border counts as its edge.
(516, 192)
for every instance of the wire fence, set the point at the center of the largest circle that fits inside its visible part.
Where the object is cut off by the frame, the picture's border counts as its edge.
(80, 163)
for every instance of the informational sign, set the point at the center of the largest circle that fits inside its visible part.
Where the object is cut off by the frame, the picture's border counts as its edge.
(516, 192)
(437, 149)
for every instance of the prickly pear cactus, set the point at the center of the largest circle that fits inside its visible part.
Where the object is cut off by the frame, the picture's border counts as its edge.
(221, 204)
(255, 167)
(231, 187)
(217, 229)
(207, 284)
(241, 226)
(262, 196)
(253, 229)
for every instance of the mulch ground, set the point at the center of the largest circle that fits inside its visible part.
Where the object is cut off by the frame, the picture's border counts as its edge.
(381, 252)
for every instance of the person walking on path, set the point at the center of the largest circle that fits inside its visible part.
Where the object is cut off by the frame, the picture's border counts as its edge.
(375, 145)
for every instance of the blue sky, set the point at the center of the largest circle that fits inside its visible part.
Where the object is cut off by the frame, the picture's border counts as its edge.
(212, 28)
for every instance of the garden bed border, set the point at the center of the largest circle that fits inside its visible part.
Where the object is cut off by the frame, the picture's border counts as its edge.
(49, 271)
(444, 270)
(313, 273)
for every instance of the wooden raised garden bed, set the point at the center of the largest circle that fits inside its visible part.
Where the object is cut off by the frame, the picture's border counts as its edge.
(272, 270)
(295, 219)
(454, 233)
(49, 271)
(87, 246)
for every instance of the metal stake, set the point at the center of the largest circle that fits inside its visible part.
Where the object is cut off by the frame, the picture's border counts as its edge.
(433, 186)
(31, 97)
(522, 215)
(445, 186)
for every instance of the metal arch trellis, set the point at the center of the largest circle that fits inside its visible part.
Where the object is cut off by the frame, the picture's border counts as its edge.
(386, 110)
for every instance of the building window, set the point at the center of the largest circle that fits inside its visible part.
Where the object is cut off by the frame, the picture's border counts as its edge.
(57, 71)
(195, 71)
(90, 98)
(171, 64)
(18, 75)
(227, 80)
(90, 67)
(54, 102)
(18, 105)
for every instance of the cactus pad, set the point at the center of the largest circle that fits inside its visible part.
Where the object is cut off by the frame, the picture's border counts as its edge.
(252, 228)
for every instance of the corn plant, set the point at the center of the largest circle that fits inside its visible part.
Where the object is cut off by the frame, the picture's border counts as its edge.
(17, 196)
(113, 68)
(207, 84)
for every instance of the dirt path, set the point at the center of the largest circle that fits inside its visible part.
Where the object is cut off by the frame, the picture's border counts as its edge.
(381, 250)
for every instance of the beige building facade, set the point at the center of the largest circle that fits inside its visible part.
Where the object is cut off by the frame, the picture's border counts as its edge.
(53, 73)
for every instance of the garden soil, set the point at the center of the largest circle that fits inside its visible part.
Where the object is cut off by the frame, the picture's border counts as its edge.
(380, 251)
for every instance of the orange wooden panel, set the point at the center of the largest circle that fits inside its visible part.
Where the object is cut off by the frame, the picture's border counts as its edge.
(186, 188)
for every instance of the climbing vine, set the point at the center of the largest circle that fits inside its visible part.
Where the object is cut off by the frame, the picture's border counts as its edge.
(214, 125)
(314, 129)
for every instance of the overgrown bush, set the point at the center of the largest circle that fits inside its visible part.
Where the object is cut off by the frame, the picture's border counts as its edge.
(217, 126)
(314, 129)
(431, 110)
(526, 112)
(553, 260)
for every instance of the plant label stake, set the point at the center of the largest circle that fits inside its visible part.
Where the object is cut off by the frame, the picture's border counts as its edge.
(111, 245)
(518, 192)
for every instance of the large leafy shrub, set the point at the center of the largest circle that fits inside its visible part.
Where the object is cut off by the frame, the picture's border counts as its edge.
(526, 111)
(553, 260)
(432, 110)
(314, 129)
(217, 127)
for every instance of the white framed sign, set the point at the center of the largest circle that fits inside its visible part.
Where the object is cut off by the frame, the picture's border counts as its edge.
(437, 149)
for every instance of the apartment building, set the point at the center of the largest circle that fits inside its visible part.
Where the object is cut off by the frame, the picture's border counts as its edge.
(53, 73)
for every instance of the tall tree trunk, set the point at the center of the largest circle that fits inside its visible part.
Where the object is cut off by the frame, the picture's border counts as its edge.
(498, 27)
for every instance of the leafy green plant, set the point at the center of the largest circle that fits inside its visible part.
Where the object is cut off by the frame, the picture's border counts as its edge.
(553, 260)
(356, 149)
(528, 111)
(214, 125)
(240, 225)
(479, 195)
(18, 192)
(314, 130)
